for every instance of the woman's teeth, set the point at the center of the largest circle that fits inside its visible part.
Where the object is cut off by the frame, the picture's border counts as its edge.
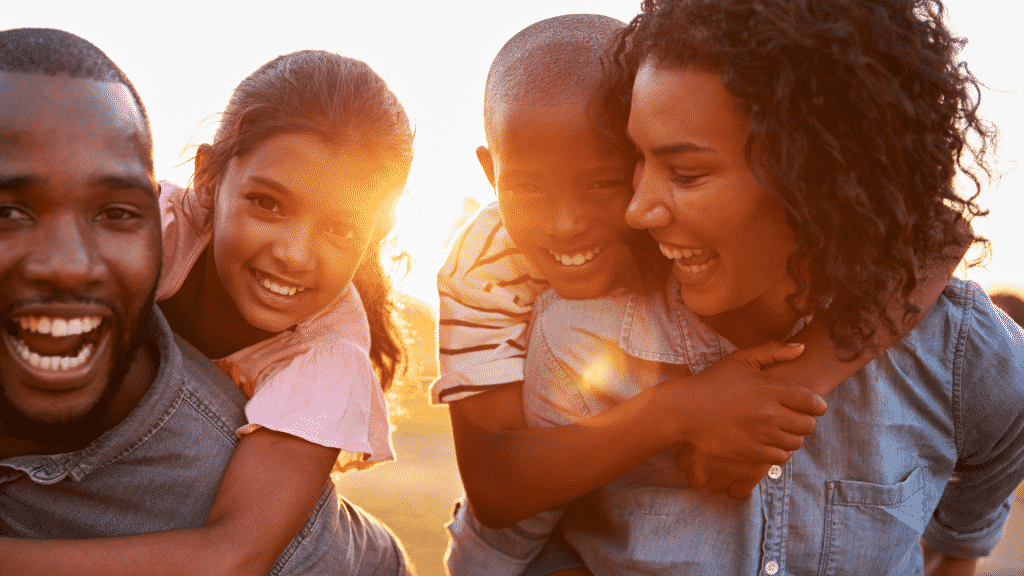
(282, 290)
(575, 259)
(58, 327)
(673, 253)
(54, 362)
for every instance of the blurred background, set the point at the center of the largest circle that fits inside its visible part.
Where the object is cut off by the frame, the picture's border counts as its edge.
(185, 56)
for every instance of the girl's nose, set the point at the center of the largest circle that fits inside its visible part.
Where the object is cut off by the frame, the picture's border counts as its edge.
(296, 247)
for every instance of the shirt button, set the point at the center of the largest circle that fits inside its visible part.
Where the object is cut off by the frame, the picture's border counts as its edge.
(772, 567)
(774, 472)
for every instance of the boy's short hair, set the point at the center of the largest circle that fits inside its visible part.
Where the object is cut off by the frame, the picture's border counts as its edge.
(546, 59)
(53, 52)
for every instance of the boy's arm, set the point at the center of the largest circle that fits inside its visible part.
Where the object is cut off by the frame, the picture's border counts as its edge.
(270, 487)
(820, 370)
(499, 458)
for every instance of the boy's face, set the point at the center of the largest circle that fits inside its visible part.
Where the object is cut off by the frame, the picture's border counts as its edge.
(79, 250)
(563, 189)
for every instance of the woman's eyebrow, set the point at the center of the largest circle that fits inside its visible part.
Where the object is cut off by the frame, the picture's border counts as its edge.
(680, 148)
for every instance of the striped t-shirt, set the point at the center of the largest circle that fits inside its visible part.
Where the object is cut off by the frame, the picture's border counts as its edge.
(486, 290)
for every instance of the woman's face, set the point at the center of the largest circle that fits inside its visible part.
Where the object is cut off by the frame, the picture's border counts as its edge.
(292, 219)
(697, 196)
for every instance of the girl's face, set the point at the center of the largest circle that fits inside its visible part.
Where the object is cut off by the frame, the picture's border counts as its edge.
(292, 219)
(699, 199)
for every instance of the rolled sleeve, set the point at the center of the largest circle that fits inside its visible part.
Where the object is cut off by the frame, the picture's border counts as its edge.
(989, 384)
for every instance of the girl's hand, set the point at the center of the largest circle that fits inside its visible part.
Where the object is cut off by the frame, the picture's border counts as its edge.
(736, 411)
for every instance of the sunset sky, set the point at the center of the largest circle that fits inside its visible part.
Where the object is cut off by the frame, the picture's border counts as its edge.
(186, 56)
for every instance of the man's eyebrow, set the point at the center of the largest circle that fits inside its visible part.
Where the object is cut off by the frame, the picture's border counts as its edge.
(123, 182)
(680, 148)
(10, 183)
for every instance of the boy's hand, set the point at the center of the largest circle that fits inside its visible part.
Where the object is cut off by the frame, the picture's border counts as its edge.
(717, 475)
(736, 411)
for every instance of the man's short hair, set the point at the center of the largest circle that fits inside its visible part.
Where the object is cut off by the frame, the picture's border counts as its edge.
(53, 52)
(547, 59)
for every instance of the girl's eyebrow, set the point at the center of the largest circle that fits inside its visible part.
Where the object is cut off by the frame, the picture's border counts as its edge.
(271, 183)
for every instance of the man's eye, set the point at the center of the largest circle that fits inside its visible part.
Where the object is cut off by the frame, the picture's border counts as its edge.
(118, 214)
(12, 214)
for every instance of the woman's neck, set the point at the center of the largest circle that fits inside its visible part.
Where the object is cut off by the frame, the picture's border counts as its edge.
(203, 313)
(769, 317)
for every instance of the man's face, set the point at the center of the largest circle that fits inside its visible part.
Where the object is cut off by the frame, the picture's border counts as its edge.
(563, 188)
(79, 249)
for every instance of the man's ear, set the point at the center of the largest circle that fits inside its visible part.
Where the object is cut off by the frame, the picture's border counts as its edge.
(487, 163)
(201, 186)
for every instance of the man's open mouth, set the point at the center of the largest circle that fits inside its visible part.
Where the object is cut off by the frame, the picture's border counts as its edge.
(54, 343)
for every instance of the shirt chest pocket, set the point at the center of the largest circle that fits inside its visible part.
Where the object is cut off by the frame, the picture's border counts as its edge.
(873, 528)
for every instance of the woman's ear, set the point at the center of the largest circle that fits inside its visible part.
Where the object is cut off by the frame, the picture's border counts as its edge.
(201, 183)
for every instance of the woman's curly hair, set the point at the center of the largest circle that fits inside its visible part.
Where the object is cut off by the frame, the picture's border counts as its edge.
(861, 116)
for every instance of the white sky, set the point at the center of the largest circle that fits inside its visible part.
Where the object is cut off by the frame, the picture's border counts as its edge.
(185, 57)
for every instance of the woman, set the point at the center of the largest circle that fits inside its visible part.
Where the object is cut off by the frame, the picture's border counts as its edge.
(798, 159)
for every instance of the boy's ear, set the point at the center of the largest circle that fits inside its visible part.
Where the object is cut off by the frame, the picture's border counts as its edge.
(203, 192)
(487, 163)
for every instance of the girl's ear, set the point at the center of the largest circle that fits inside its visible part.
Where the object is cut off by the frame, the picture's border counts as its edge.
(203, 188)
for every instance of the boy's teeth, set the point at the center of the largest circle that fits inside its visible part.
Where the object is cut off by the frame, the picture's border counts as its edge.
(57, 363)
(575, 259)
(58, 327)
(282, 290)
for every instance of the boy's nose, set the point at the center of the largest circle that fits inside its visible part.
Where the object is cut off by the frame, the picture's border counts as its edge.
(65, 256)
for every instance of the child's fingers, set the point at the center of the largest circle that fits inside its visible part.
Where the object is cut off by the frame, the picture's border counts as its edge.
(798, 423)
(740, 489)
(768, 353)
(802, 400)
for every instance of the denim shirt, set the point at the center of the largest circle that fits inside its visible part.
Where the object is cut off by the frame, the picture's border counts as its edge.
(925, 441)
(159, 469)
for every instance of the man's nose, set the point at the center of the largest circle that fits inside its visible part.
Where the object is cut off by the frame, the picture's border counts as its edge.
(65, 255)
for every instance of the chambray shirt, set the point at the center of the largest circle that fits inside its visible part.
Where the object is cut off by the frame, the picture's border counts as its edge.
(926, 440)
(159, 470)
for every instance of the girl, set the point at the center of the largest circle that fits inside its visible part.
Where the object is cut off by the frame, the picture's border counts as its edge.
(798, 158)
(272, 266)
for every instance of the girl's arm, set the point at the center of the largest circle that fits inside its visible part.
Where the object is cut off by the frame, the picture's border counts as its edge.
(269, 489)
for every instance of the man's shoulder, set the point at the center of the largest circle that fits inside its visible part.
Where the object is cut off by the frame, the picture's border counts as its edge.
(206, 385)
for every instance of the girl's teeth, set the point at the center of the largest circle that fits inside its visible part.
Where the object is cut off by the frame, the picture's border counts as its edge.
(282, 290)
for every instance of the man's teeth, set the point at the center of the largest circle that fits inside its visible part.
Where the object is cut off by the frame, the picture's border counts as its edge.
(54, 362)
(282, 290)
(58, 327)
(575, 259)
(673, 253)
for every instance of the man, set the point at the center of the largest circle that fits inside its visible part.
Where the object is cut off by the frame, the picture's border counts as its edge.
(109, 425)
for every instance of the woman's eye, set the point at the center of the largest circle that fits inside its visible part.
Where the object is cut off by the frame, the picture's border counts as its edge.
(684, 179)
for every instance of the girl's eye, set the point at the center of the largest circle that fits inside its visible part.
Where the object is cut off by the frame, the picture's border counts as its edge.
(340, 235)
(264, 202)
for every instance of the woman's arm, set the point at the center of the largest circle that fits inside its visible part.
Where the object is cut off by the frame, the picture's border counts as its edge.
(269, 488)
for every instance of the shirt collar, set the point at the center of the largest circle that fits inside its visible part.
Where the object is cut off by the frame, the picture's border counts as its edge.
(160, 400)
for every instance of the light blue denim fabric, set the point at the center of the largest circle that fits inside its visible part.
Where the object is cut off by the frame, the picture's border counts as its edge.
(927, 440)
(159, 469)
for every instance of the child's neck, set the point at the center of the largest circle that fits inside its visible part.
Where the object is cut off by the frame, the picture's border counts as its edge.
(202, 313)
